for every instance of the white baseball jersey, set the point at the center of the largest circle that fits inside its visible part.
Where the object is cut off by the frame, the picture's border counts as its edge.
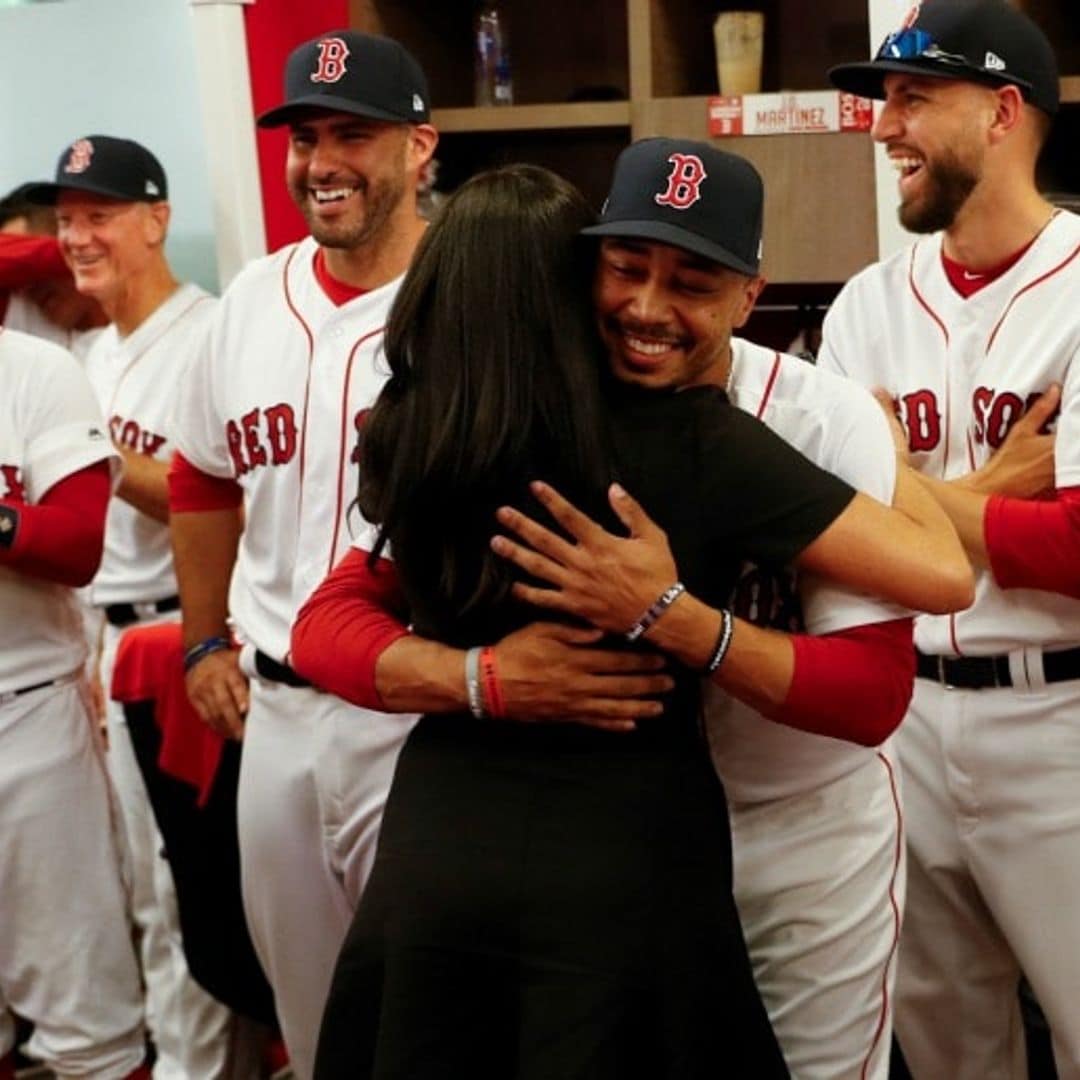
(840, 427)
(136, 379)
(963, 371)
(273, 401)
(50, 427)
(25, 316)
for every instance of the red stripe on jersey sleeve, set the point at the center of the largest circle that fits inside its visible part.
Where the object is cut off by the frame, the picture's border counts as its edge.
(1035, 544)
(345, 626)
(854, 684)
(61, 537)
(192, 490)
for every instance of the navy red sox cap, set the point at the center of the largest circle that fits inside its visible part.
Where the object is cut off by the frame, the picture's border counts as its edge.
(690, 195)
(352, 72)
(983, 41)
(104, 165)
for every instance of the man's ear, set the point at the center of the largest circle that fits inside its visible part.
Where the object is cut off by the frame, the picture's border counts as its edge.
(157, 222)
(752, 287)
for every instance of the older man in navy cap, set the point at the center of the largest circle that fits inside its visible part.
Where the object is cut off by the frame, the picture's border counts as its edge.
(267, 424)
(112, 216)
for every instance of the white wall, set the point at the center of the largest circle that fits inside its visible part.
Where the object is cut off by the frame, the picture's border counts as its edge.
(111, 67)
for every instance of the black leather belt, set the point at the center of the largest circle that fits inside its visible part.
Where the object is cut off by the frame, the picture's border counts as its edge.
(984, 672)
(275, 671)
(126, 614)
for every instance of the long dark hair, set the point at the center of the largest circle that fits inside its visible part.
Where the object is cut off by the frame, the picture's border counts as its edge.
(495, 366)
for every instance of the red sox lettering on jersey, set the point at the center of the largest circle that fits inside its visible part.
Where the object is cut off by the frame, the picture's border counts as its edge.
(11, 483)
(333, 52)
(262, 436)
(993, 415)
(684, 183)
(131, 435)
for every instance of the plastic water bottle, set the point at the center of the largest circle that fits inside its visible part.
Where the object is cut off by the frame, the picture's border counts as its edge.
(494, 80)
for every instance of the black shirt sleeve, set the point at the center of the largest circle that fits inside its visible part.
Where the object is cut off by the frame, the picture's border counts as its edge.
(765, 496)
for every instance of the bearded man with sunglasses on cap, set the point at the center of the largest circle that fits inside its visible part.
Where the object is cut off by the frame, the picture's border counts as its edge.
(966, 329)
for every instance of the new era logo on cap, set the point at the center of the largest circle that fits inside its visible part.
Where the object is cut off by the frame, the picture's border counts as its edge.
(351, 72)
(993, 62)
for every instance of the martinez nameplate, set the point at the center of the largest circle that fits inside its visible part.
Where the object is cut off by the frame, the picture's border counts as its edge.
(808, 112)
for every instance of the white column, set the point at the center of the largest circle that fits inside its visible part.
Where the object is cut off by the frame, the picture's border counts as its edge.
(229, 121)
(886, 16)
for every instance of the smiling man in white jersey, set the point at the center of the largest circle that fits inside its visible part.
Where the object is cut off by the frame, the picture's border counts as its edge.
(964, 329)
(112, 216)
(267, 427)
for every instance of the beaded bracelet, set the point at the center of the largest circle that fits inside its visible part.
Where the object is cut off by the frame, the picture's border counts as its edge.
(203, 649)
(723, 641)
(472, 683)
(662, 603)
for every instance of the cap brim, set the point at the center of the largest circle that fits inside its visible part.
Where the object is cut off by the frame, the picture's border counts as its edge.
(46, 194)
(678, 237)
(867, 79)
(285, 114)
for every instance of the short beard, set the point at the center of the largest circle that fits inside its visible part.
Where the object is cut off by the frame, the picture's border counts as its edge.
(949, 183)
(381, 200)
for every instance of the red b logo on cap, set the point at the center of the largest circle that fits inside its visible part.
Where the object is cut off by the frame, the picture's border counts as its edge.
(332, 55)
(684, 183)
(79, 156)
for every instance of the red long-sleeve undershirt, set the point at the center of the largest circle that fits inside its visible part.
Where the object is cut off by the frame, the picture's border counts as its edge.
(192, 490)
(1035, 544)
(854, 684)
(61, 537)
(26, 260)
(345, 626)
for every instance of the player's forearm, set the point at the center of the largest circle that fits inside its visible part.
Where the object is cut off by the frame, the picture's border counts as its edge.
(144, 484)
(759, 663)
(908, 553)
(204, 553)
(966, 509)
(417, 675)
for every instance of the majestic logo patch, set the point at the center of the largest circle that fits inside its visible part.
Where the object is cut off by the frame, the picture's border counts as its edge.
(993, 62)
(79, 156)
(333, 52)
(684, 183)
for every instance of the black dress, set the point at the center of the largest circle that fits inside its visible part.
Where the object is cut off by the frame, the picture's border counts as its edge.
(551, 902)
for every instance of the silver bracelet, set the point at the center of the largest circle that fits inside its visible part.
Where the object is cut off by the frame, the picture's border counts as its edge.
(662, 603)
(472, 683)
(723, 641)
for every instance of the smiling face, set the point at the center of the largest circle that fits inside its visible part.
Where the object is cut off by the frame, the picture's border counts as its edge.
(934, 132)
(107, 242)
(666, 315)
(347, 174)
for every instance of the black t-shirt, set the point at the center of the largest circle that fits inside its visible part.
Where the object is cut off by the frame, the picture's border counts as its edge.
(723, 487)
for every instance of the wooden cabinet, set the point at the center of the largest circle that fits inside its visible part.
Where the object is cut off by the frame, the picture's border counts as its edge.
(591, 75)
